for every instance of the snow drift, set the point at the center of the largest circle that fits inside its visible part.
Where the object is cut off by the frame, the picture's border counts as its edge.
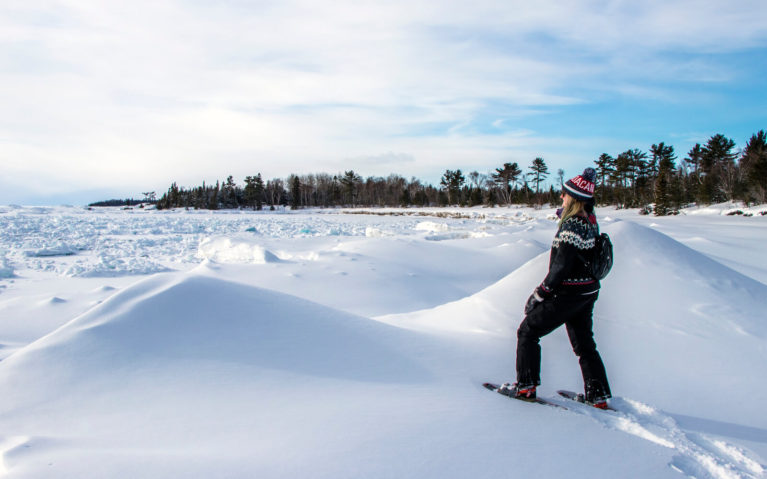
(177, 318)
(228, 250)
(660, 296)
(264, 362)
(189, 374)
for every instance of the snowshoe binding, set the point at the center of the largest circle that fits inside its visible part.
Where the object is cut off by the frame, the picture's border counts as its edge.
(517, 391)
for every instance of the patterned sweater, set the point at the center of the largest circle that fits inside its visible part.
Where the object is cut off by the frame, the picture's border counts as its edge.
(567, 270)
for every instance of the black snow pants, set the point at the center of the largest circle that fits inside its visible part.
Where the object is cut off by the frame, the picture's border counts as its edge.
(576, 314)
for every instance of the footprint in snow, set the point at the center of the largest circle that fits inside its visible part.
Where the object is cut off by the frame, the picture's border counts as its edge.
(697, 455)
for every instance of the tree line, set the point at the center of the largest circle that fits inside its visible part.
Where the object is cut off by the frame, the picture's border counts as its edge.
(118, 202)
(654, 180)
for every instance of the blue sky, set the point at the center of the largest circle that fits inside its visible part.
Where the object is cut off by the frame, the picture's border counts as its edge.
(109, 99)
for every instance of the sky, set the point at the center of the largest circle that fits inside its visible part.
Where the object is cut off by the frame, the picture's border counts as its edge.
(109, 99)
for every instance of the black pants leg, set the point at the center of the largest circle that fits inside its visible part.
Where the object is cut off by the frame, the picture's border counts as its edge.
(542, 320)
(576, 314)
(581, 334)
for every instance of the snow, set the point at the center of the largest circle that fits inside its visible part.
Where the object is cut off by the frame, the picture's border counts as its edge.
(6, 270)
(729, 208)
(153, 344)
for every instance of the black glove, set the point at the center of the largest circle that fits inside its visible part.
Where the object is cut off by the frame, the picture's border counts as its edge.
(536, 298)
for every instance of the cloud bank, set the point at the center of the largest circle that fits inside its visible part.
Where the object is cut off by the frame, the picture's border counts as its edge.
(135, 95)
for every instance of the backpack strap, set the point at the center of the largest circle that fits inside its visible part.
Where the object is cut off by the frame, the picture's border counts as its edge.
(597, 241)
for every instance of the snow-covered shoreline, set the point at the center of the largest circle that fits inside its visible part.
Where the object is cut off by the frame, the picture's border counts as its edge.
(315, 343)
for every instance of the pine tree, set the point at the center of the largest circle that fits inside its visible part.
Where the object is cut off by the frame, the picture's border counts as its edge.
(250, 191)
(644, 180)
(405, 199)
(717, 165)
(254, 191)
(694, 179)
(620, 177)
(230, 193)
(637, 173)
(662, 195)
(677, 190)
(753, 163)
(505, 177)
(260, 191)
(605, 167)
(295, 193)
(350, 184)
(658, 153)
(213, 199)
(452, 182)
(605, 170)
(475, 196)
(539, 172)
(663, 157)
(695, 157)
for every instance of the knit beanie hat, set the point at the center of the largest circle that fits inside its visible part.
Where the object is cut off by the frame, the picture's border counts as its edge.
(582, 186)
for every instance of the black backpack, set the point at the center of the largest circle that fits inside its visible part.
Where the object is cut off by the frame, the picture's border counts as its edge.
(602, 257)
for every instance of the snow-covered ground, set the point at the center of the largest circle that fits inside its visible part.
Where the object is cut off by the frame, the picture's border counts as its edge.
(138, 343)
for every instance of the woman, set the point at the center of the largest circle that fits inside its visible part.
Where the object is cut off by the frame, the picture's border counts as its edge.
(566, 296)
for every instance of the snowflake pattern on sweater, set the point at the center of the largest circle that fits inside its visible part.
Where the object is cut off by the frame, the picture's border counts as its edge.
(577, 232)
(575, 239)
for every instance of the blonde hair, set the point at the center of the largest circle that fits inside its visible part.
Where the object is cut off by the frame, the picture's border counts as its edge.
(573, 208)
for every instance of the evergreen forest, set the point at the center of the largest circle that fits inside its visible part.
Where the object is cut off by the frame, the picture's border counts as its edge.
(656, 181)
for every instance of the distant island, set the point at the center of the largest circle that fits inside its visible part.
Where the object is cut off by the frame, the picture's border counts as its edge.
(116, 202)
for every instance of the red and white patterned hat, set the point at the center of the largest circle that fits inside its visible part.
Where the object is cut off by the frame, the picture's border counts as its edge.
(582, 186)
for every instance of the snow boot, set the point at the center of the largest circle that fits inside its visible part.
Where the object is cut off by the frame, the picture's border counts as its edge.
(599, 403)
(517, 391)
(596, 395)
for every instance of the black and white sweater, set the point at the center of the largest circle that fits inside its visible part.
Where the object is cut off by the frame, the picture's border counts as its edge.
(574, 241)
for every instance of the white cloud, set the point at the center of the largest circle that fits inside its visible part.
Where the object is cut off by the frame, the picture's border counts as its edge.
(130, 93)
